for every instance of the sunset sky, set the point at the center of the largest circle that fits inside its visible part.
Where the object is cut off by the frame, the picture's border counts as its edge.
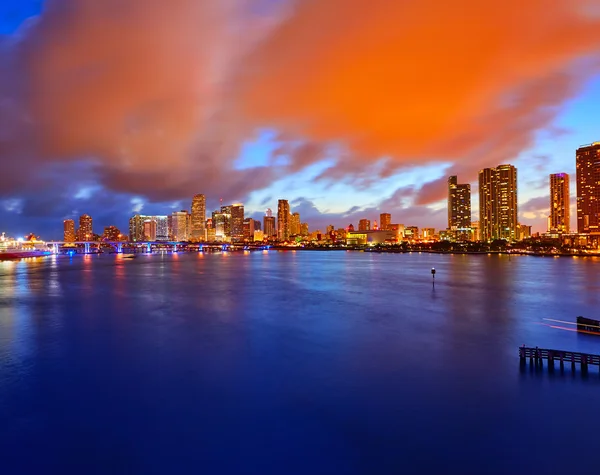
(347, 108)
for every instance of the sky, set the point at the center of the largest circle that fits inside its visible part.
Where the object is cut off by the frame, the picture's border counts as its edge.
(346, 108)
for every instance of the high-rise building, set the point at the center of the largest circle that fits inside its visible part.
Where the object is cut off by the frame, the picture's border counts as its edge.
(249, 229)
(498, 204)
(136, 228)
(459, 205)
(222, 224)
(198, 218)
(385, 219)
(283, 220)
(179, 225)
(270, 228)
(150, 229)
(257, 225)
(85, 231)
(587, 160)
(112, 233)
(560, 215)
(304, 229)
(237, 222)
(295, 224)
(69, 230)
(364, 225)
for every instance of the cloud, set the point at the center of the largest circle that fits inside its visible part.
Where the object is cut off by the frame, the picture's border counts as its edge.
(465, 81)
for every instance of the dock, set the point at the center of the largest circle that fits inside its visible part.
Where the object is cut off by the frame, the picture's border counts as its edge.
(537, 355)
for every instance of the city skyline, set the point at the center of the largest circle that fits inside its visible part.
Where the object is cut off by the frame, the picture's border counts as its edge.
(327, 160)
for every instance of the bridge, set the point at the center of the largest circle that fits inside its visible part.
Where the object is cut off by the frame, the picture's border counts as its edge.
(147, 246)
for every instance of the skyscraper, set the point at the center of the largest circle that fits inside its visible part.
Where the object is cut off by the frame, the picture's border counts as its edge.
(221, 221)
(136, 228)
(498, 205)
(198, 217)
(459, 205)
(237, 222)
(587, 160)
(385, 219)
(364, 225)
(179, 225)
(560, 216)
(85, 231)
(69, 230)
(283, 220)
(295, 224)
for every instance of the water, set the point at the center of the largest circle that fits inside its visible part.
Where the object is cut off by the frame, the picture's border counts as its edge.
(294, 363)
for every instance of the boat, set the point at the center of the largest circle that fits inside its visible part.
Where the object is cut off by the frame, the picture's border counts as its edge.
(588, 325)
(129, 256)
(22, 253)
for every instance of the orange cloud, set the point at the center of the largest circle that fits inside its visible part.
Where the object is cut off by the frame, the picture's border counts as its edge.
(465, 81)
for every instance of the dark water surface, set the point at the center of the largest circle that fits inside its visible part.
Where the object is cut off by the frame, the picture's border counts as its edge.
(294, 363)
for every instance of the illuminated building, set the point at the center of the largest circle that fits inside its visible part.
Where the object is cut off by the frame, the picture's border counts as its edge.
(370, 237)
(399, 229)
(162, 228)
(364, 225)
(270, 228)
(283, 220)
(198, 230)
(411, 232)
(179, 225)
(385, 219)
(69, 230)
(560, 216)
(222, 224)
(587, 160)
(498, 205)
(459, 208)
(150, 229)
(475, 228)
(258, 235)
(304, 229)
(237, 222)
(375, 227)
(350, 227)
(248, 229)
(428, 233)
(136, 228)
(85, 231)
(112, 233)
(524, 231)
(295, 224)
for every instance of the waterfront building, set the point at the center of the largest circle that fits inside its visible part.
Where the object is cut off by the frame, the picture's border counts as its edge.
(587, 161)
(112, 233)
(198, 212)
(85, 231)
(371, 237)
(524, 232)
(475, 230)
(560, 217)
(179, 225)
(270, 228)
(459, 208)
(364, 225)
(150, 229)
(428, 233)
(295, 224)
(498, 204)
(283, 220)
(222, 223)
(258, 235)
(411, 232)
(237, 222)
(399, 229)
(385, 219)
(304, 229)
(136, 228)
(249, 229)
(69, 230)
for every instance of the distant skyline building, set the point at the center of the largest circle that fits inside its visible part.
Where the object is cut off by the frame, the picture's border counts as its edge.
(85, 231)
(385, 219)
(69, 230)
(179, 225)
(112, 233)
(237, 222)
(560, 203)
(587, 161)
(269, 225)
(283, 220)
(498, 203)
(364, 225)
(459, 206)
(150, 230)
(295, 224)
(249, 229)
(198, 211)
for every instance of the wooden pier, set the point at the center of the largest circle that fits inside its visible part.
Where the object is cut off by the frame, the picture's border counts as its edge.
(537, 355)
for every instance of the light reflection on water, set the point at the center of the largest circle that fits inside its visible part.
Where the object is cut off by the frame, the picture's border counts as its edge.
(293, 362)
